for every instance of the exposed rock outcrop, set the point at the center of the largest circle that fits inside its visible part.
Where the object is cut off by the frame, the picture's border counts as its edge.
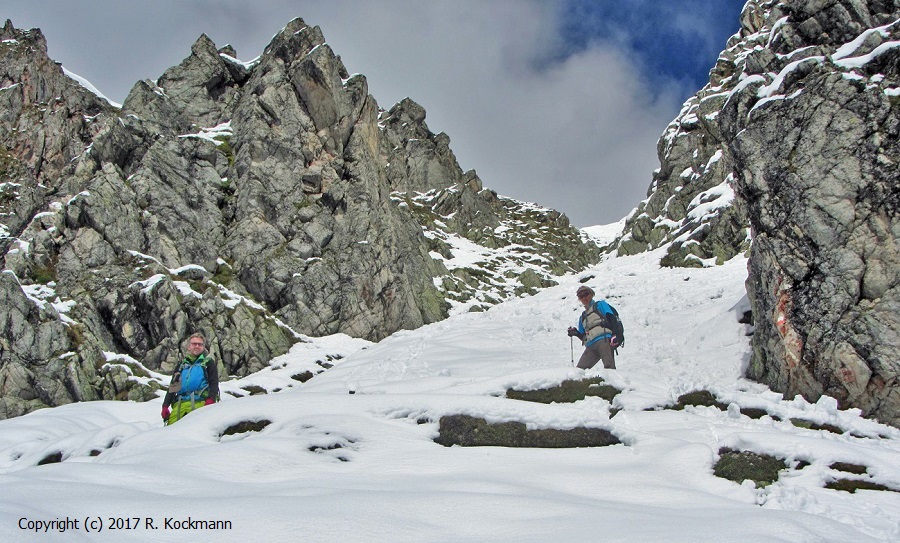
(796, 136)
(252, 201)
(813, 131)
(691, 207)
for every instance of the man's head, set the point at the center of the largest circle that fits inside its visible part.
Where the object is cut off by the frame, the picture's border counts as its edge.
(585, 295)
(196, 344)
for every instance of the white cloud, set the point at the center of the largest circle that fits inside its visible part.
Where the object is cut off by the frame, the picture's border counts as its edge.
(578, 135)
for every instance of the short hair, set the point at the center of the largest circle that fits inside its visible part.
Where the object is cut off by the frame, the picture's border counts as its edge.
(584, 289)
(192, 336)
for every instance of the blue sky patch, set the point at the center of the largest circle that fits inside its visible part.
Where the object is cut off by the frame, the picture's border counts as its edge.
(674, 42)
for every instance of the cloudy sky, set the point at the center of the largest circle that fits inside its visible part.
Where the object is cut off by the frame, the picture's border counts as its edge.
(558, 102)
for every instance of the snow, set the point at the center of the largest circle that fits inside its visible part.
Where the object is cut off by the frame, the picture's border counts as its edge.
(149, 284)
(603, 235)
(334, 466)
(775, 28)
(848, 49)
(89, 86)
(41, 296)
(481, 275)
(185, 289)
(213, 134)
(717, 156)
(128, 362)
(82, 194)
(746, 81)
(705, 204)
(768, 91)
(249, 65)
(860, 61)
(232, 299)
(179, 270)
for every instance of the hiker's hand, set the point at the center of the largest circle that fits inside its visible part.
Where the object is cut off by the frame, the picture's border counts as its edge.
(614, 342)
(210, 401)
(573, 332)
(165, 412)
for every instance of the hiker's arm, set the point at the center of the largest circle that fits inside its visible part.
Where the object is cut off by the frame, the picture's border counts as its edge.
(169, 399)
(174, 386)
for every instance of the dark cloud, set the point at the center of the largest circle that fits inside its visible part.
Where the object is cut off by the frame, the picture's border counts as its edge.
(559, 103)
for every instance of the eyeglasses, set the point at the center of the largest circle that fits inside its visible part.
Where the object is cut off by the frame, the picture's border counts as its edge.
(197, 344)
(583, 296)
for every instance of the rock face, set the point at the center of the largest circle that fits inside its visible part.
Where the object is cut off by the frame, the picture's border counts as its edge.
(691, 207)
(253, 201)
(813, 131)
(796, 136)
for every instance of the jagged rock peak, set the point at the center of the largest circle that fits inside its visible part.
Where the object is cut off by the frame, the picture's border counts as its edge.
(407, 111)
(33, 37)
(252, 201)
(418, 159)
(296, 39)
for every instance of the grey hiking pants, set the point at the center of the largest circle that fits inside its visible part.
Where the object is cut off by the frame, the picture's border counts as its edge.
(596, 352)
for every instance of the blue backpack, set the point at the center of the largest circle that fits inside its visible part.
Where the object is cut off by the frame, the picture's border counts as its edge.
(194, 381)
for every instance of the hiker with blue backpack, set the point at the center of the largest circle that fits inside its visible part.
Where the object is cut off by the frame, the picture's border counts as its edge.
(195, 382)
(599, 330)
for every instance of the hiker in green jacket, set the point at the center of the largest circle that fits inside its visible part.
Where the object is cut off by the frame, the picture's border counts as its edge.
(195, 382)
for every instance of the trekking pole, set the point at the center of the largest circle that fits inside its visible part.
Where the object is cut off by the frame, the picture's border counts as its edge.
(572, 347)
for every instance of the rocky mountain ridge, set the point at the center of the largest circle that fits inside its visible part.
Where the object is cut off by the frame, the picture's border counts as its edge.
(275, 197)
(257, 202)
(794, 143)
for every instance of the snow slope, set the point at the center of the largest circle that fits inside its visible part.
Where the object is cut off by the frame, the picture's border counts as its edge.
(339, 467)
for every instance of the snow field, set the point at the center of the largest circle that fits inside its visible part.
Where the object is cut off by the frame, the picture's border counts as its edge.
(335, 466)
